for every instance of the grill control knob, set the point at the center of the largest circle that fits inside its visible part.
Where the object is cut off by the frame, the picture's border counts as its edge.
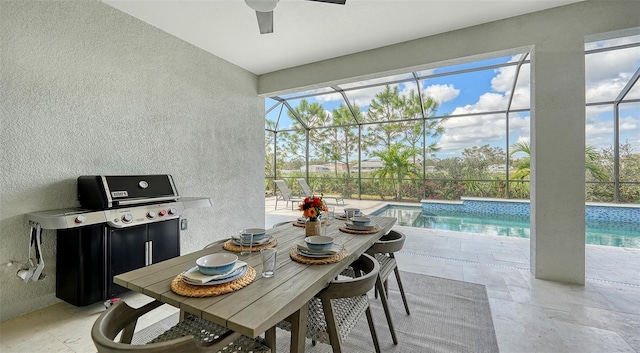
(172, 211)
(151, 214)
(80, 219)
(162, 213)
(127, 218)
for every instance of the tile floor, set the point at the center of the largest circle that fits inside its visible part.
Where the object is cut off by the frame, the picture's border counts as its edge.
(529, 315)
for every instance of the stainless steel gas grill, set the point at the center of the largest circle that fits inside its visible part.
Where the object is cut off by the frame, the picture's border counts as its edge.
(124, 223)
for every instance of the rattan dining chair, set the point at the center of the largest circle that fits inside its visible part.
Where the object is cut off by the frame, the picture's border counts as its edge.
(335, 311)
(384, 250)
(192, 334)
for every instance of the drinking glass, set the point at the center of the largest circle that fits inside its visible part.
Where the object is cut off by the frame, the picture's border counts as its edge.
(324, 226)
(268, 262)
(331, 211)
(349, 213)
(246, 243)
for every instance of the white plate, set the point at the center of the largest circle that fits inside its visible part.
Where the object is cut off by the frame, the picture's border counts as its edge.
(236, 240)
(355, 227)
(230, 277)
(315, 256)
(344, 215)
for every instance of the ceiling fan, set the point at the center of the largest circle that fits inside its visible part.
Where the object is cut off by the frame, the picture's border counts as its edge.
(264, 11)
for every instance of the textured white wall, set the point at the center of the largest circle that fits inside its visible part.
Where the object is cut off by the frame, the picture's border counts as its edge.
(86, 89)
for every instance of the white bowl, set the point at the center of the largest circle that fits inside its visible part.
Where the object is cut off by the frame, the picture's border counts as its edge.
(319, 242)
(361, 221)
(258, 233)
(216, 264)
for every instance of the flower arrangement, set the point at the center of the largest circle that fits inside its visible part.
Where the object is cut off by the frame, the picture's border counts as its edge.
(312, 207)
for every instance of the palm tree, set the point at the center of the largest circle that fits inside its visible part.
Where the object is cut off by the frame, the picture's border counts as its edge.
(523, 169)
(397, 166)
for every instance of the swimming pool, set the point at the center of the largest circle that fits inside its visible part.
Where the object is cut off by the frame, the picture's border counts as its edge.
(619, 234)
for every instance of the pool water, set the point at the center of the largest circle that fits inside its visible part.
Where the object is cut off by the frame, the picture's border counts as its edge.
(619, 234)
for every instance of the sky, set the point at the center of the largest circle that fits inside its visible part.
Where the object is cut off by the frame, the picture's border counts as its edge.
(606, 74)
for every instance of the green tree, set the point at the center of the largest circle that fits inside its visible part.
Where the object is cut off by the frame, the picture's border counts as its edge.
(414, 105)
(449, 168)
(477, 160)
(592, 162)
(397, 167)
(311, 115)
(386, 108)
(269, 139)
(523, 166)
(338, 141)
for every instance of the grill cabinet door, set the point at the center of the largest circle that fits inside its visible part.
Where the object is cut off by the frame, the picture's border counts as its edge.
(165, 240)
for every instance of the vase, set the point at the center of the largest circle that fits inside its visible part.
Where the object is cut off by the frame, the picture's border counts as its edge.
(312, 227)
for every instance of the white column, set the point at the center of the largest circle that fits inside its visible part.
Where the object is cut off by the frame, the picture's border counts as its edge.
(557, 160)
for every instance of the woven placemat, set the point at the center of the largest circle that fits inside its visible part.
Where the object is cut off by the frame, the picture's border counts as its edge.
(231, 246)
(317, 261)
(373, 230)
(180, 287)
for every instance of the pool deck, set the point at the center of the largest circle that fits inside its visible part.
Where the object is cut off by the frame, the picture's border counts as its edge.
(603, 263)
(529, 315)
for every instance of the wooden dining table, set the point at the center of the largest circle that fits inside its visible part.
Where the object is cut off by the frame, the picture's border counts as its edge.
(256, 308)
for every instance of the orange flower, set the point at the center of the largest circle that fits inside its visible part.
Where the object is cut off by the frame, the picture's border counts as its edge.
(312, 206)
(311, 213)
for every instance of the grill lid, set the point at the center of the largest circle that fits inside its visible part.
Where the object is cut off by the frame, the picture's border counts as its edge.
(103, 192)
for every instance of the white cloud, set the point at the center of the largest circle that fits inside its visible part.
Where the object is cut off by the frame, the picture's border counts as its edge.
(442, 93)
(481, 130)
(470, 131)
(503, 81)
(363, 97)
(608, 72)
(331, 97)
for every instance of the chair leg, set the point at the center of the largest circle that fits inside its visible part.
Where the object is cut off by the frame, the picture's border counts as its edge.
(372, 328)
(387, 313)
(404, 298)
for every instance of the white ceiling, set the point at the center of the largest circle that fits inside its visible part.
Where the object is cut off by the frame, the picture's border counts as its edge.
(307, 31)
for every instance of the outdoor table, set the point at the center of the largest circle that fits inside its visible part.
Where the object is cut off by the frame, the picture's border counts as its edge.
(258, 307)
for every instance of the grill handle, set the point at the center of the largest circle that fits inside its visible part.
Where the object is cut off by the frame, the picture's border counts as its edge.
(138, 201)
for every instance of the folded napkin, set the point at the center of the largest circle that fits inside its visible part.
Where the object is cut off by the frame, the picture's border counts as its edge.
(195, 276)
(335, 249)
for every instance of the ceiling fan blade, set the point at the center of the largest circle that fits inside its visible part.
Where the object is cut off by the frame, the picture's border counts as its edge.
(337, 2)
(265, 21)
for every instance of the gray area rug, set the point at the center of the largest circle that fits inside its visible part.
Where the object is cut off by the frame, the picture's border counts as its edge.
(446, 316)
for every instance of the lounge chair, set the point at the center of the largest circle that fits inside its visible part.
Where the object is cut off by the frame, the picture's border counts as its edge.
(306, 189)
(285, 194)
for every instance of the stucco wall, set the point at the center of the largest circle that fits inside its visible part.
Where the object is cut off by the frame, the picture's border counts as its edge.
(86, 90)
